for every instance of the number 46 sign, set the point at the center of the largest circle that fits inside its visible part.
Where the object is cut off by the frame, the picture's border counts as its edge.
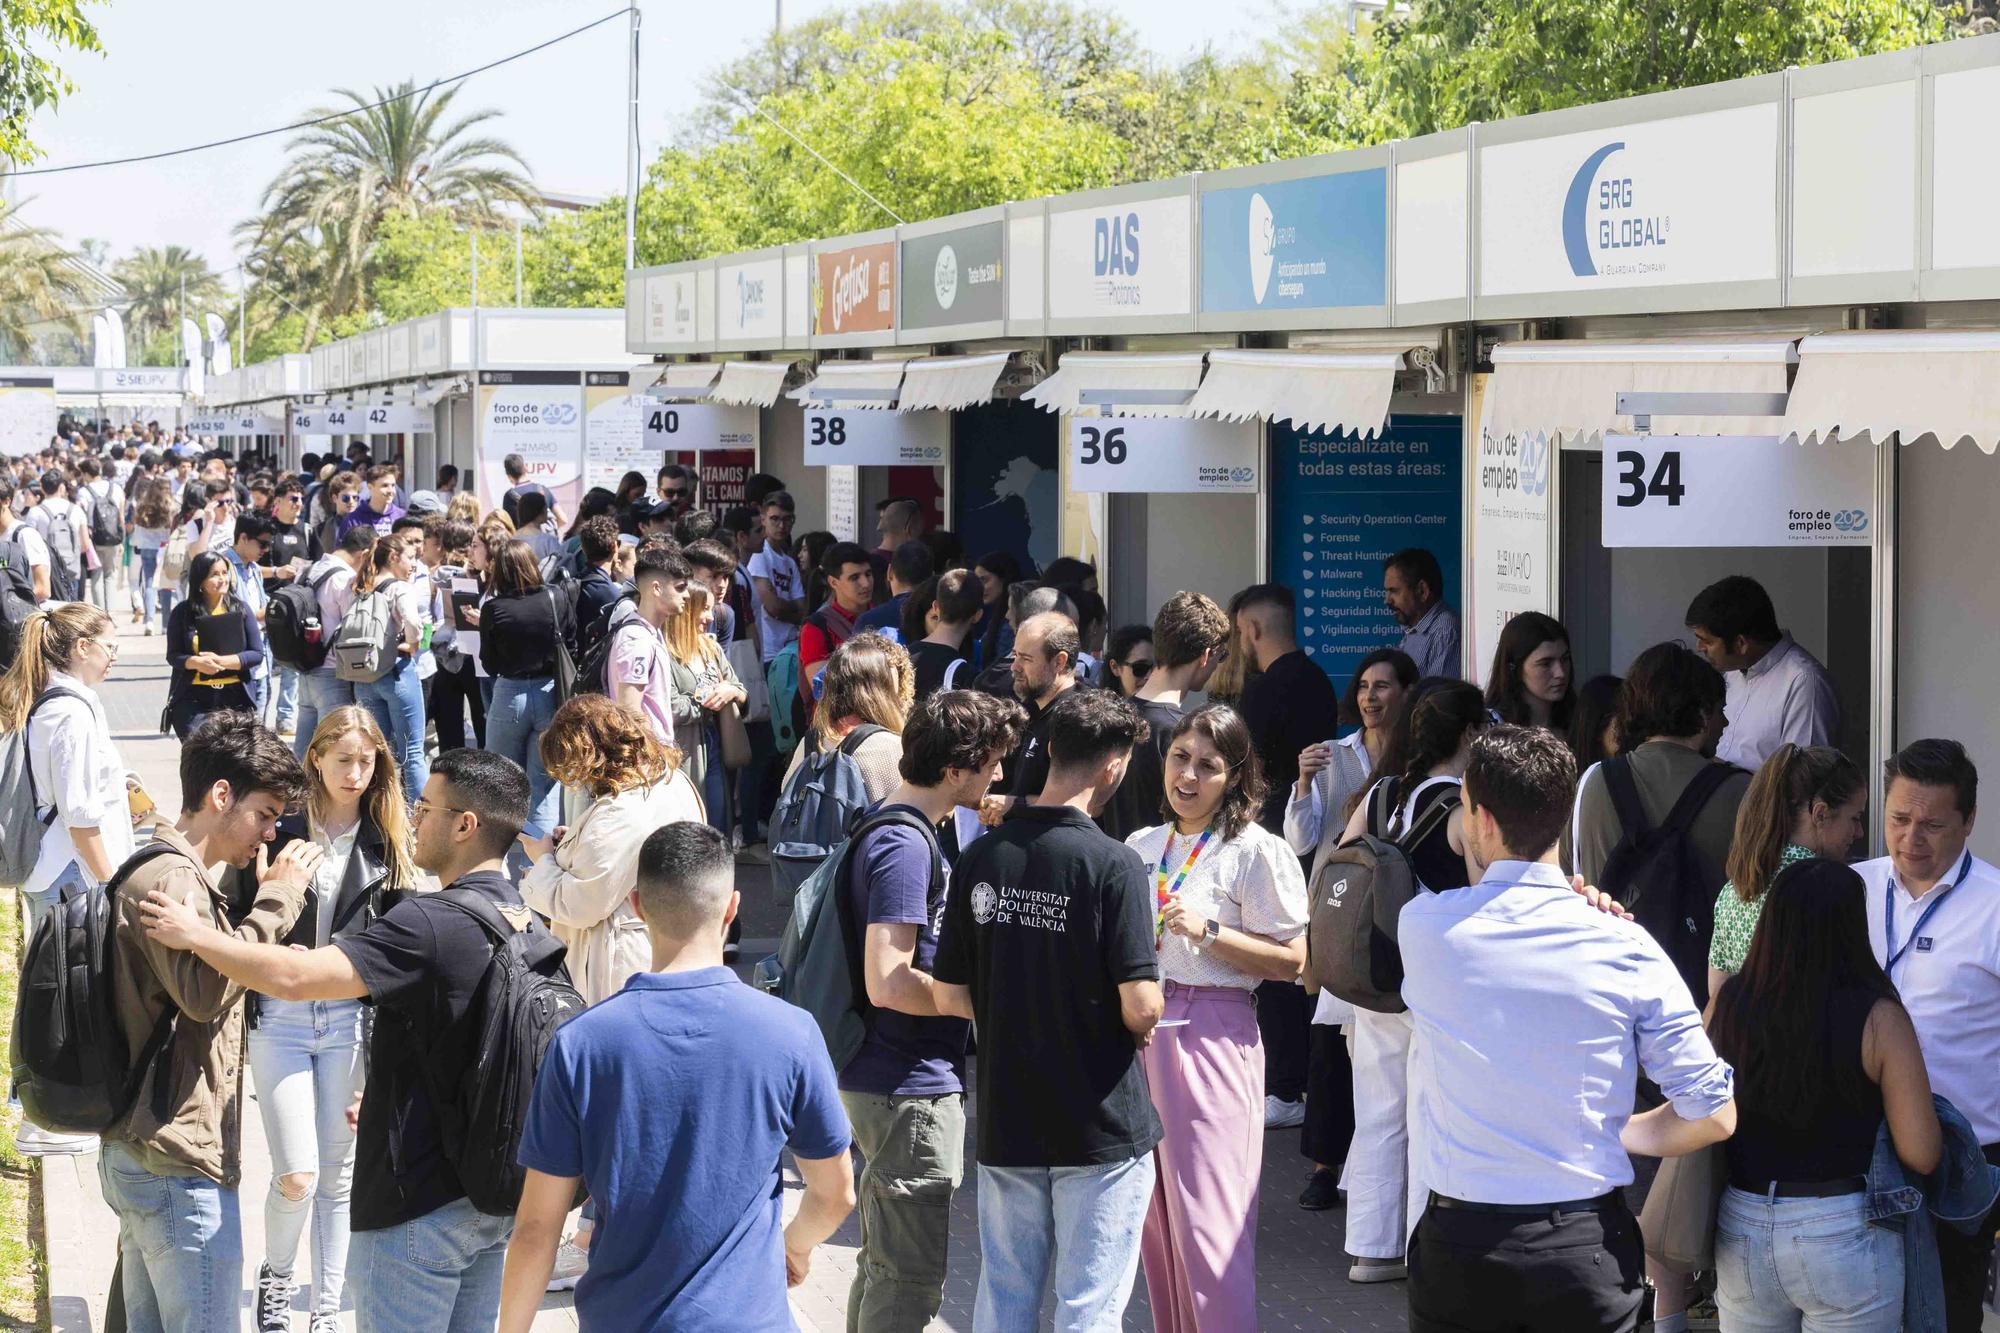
(1719, 490)
(1161, 454)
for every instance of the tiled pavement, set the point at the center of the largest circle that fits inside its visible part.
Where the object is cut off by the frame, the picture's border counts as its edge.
(1301, 1270)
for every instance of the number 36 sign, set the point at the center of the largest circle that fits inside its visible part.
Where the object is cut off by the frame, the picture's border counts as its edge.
(1721, 490)
(1161, 454)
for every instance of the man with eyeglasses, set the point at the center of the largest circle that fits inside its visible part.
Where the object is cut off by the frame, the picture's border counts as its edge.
(247, 555)
(1190, 638)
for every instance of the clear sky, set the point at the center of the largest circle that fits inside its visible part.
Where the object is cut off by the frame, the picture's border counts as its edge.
(177, 72)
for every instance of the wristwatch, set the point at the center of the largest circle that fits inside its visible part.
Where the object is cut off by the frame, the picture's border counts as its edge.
(1208, 933)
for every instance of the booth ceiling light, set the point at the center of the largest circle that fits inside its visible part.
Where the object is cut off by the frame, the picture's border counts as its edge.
(1132, 384)
(1571, 388)
(751, 383)
(1940, 384)
(944, 383)
(1326, 391)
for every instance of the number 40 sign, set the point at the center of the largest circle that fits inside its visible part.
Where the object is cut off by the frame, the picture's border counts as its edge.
(1161, 454)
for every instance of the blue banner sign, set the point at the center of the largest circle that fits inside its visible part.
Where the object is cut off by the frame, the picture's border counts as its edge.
(1340, 506)
(1320, 242)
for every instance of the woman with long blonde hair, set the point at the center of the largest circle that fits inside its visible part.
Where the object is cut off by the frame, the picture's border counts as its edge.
(867, 682)
(704, 685)
(306, 1055)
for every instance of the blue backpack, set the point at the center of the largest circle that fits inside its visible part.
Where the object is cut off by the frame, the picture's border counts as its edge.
(781, 680)
(818, 807)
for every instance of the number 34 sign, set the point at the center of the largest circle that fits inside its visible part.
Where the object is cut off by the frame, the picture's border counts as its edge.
(1720, 490)
(1161, 454)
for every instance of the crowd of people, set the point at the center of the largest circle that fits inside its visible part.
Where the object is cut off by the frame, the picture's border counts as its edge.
(427, 752)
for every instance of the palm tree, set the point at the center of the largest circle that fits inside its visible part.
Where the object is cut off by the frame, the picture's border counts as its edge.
(40, 285)
(153, 277)
(394, 151)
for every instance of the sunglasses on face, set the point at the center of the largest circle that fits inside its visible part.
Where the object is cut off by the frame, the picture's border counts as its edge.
(1139, 670)
(676, 495)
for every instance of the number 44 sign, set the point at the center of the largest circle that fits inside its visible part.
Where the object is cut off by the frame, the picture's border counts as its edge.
(1161, 454)
(1736, 490)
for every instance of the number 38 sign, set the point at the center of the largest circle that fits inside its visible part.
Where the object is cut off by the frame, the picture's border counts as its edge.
(1161, 454)
(872, 437)
(1721, 490)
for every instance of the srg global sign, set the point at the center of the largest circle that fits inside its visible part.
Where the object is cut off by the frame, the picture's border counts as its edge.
(1607, 225)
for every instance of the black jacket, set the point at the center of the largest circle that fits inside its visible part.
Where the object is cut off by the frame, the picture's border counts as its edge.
(364, 890)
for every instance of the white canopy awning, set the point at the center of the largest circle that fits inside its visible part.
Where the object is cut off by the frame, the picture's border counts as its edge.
(683, 379)
(750, 383)
(853, 384)
(1329, 391)
(1572, 388)
(1160, 384)
(1913, 384)
(946, 382)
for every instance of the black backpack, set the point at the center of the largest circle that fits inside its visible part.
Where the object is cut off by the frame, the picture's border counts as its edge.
(592, 673)
(73, 1070)
(107, 525)
(1351, 945)
(1659, 874)
(17, 600)
(523, 997)
(292, 625)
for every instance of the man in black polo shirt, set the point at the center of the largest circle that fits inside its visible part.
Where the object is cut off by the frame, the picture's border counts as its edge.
(1048, 944)
(422, 1255)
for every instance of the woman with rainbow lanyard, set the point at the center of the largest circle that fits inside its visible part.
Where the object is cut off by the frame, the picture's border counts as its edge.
(1231, 913)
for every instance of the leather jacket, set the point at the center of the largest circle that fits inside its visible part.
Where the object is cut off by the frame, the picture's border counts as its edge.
(364, 893)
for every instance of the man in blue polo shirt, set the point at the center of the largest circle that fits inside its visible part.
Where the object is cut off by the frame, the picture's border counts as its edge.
(672, 1102)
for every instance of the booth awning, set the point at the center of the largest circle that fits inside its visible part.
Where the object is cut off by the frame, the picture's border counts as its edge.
(750, 383)
(684, 379)
(1130, 384)
(1572, 388)
(1913, 384)
(853, 384)
(1329, 391)
(946, 382)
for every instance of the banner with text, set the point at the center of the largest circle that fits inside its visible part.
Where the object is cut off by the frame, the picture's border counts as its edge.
(1720, 490)
(872, 438)
(538, 415)
(1512, 534)
(1161, 454)
(28, 414)
(612, 443)
(364, 419)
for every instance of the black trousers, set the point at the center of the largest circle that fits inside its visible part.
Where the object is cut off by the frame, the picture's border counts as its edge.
(1284, 1020)
(1963, 1260)
(1329, 1126)
(452, 692)
(1511, 1273)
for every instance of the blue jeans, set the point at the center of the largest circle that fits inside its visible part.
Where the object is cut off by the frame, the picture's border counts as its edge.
(439, 1272)
(149, 568)
(715, 782)
(1816, 1264)
(320, 692)
(1082, 1222)
(181, 1241)
(305, 1057)
(520, 712)
(288, 695)
(397, 701)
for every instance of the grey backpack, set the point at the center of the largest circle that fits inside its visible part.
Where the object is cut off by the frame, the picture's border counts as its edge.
(818, 807)
(364, 648)
(22, 823)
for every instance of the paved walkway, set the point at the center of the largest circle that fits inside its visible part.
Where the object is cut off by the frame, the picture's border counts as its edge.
(1301, 1270)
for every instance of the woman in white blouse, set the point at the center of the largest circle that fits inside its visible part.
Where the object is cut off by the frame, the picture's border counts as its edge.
(80, 783)
(1232, 913)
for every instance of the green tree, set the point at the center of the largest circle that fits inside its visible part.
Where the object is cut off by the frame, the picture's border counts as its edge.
(39, 286)
(423, 263)
(401, 157)
(153, 279)
(29, 79)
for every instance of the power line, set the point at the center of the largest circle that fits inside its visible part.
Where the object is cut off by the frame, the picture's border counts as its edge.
(327, 119)
(786, 130)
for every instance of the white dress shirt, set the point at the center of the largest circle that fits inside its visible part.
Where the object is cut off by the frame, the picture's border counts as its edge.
(77, 770)
(1948, 973)
(1534, 1014)
(1250, 883)
(1785, 695)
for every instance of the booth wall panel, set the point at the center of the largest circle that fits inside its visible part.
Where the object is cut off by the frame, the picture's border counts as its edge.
(783, 433)
(1200, 543)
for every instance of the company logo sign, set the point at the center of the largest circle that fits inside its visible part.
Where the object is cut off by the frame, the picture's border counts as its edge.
(1115, 258)
(984, 902)
(1319, 242)
(856, 289)
(750, 299)
(1610, 227)
(1850, 520)
(964, 269)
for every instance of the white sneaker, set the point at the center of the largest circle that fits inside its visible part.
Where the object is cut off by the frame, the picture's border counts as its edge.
(324, 1323)
(570, 1265)
(1281, 1114)
(34, 1141)
(1378, 1270)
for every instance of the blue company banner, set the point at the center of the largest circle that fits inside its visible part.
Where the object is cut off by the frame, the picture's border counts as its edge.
(1340, 506)
(1315, 243)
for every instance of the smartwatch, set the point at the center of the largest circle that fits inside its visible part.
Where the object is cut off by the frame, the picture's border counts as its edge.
(1209, 932)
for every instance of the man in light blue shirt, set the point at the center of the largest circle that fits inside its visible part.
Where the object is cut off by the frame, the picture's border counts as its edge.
(1413, 590)
(1535, 1014)
(251, 542)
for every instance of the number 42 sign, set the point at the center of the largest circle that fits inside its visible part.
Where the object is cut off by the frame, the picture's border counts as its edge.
(1161, 454)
